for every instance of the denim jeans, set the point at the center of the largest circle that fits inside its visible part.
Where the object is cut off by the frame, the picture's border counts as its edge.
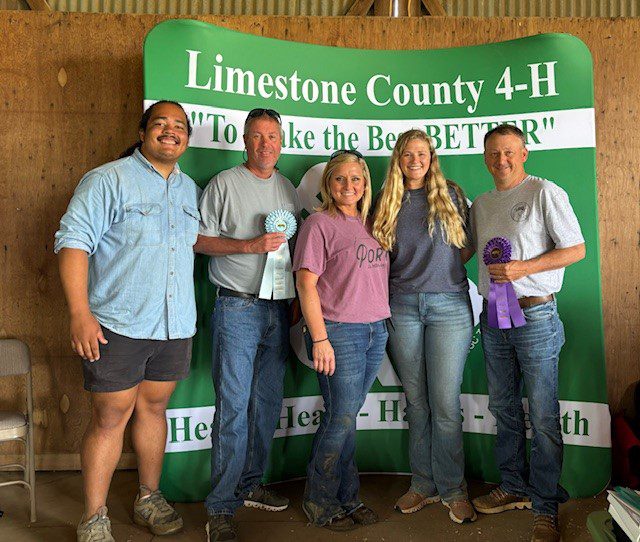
(528, 355)
(250, 348)
(429, 339)
(332, 474)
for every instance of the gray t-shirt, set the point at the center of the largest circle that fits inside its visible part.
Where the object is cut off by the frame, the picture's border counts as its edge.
(234, 205)
(535, 217)
(421, 262)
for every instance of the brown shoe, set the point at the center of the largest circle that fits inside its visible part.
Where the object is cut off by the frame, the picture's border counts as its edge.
(545, 528)
(340, 523)
(499, 500)
(364, 516)
(461, 511)
(411, 502)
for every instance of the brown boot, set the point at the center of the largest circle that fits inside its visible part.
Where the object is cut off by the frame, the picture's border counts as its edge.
(411, 502)
(545, 528)
(498, 500)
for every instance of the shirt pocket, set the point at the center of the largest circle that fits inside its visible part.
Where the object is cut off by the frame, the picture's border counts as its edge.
(144, 224)
(191, 218)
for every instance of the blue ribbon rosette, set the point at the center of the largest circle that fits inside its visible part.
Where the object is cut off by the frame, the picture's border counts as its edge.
(277, 280)
(502, 305)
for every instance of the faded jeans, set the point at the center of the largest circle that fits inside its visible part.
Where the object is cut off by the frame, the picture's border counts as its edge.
(332, 474)
(429, 339)
(250, 348)
(528, 355)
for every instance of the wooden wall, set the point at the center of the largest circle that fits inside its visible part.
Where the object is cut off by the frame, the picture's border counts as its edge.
(70, 99)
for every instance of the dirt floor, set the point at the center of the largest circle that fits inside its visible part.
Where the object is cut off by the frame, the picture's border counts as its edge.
(60, 506)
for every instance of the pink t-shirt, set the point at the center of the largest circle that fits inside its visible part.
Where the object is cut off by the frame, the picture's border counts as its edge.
(353, 269)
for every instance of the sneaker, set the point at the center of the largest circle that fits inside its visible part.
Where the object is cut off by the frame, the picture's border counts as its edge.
(545, 528)
(411, 502)
(340, 523)
(364, 516)
(499, 500)
(265, 499)
(220, 527)
(96, 529)
(154, 512)
(461, 511)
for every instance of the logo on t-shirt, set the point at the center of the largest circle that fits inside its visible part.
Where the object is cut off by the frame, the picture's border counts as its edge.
(520, 211)
(371, 257)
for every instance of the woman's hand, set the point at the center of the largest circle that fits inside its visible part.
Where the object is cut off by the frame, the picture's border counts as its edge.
(324, 360)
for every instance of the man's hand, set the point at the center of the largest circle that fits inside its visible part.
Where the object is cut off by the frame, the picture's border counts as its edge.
(324, 360)
(267, 242)
(86, 336)
(508, 272)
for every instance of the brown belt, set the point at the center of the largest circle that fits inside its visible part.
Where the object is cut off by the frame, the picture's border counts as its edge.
(530, 301)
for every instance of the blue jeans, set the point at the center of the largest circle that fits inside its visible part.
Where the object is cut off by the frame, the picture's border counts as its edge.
(429, 339)
(528, 355)
(332, 474)
(250, 348)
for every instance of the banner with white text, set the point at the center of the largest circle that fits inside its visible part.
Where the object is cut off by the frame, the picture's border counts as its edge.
(333, 98)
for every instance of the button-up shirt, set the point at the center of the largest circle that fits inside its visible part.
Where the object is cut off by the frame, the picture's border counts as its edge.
(138, 230)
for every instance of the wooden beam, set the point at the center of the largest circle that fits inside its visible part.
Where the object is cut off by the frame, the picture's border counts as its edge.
(359, 7)
(39, 5)
(434, 7)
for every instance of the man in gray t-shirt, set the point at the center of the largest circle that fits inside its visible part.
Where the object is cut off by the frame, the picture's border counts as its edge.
(250, 335)
(536, 217)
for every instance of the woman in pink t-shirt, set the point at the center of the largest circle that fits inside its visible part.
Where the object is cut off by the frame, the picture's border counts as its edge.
(342, 278)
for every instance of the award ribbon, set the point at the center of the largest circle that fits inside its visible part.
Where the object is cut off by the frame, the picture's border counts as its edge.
(277, 280)
(502, 306)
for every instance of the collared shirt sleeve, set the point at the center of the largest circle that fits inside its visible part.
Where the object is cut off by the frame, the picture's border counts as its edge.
(90, 213)
(211, 203)
(559, 218)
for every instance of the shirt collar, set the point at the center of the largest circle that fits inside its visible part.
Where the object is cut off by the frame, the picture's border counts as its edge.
(148, 165)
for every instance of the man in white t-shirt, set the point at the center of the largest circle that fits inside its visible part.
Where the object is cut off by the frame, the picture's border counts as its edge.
(250, 335)
(536, 217)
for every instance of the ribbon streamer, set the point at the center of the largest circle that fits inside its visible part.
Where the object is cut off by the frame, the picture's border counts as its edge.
(502, 305)
(277, 280)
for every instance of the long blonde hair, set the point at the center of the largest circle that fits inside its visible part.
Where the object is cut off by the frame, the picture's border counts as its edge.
(328, 204)
(441, 207)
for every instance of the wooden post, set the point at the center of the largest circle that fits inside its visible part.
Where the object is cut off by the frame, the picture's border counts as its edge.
(397, 8)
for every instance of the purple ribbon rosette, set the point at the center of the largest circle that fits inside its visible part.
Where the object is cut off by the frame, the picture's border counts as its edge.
(502, 305)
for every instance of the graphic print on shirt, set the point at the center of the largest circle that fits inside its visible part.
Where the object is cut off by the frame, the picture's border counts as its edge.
(369, 254)
(520, 211)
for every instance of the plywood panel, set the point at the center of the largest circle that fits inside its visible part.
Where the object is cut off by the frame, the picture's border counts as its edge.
(70, 100)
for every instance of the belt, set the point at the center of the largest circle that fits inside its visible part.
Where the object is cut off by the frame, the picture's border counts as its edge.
(531, 301)
(233, 293)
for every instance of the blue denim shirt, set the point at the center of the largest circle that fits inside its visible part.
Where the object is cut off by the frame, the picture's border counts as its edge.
(139, 230)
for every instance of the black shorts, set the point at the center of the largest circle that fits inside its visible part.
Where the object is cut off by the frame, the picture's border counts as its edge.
(125, 362)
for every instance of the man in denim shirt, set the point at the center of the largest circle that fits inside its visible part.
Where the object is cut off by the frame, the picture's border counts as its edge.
(536, 217)
(126, 265)
(250, 335)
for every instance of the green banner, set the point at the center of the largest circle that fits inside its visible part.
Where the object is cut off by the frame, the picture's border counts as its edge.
(332, 98)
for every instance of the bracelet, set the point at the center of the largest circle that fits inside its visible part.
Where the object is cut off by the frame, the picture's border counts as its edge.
(321, 340)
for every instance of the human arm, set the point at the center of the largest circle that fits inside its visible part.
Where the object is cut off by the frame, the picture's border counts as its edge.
(323, 356)
(466, 253)
(554, 259)
(221, 246)
(85, 331)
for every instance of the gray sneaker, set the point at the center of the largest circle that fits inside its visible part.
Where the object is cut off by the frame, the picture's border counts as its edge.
(220, 527)
(154, 512)
(265, 499)
(96, 529)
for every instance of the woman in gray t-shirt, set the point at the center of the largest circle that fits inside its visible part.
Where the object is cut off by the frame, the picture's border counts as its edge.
(420, 218)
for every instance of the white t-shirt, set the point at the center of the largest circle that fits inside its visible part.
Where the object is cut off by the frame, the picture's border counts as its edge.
(535, 217)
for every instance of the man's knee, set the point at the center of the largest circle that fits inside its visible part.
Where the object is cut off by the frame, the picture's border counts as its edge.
(111, 417)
